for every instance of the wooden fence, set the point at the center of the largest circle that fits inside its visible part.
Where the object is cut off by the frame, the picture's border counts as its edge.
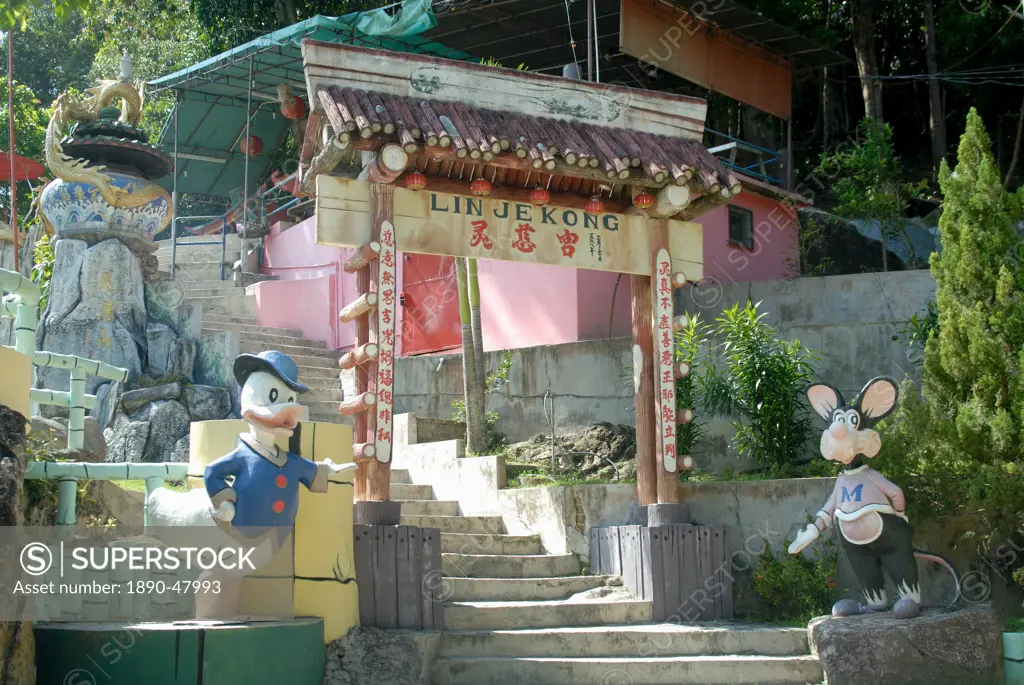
(684, 570)
(398, 571)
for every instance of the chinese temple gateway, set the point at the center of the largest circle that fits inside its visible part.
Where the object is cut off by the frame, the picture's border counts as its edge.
(465, 160)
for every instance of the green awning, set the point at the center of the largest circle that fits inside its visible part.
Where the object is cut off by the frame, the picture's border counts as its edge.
(212, 94)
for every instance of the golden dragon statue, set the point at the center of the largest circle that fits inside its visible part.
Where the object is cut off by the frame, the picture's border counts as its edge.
(70, 169)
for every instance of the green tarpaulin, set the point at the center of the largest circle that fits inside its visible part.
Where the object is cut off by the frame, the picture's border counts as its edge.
(212, 105)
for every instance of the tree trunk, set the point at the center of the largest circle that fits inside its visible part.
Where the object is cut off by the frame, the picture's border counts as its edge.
(1016, 148)
(478, 335)
(867, 61)
(476, 438)
(938, 120)
(17, 646)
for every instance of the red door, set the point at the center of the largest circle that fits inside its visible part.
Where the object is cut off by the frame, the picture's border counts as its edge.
(430, 319)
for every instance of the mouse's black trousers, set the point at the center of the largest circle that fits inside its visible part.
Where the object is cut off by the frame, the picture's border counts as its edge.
(891, 551)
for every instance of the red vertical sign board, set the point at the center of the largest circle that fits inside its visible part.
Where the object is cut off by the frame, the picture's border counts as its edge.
(664, 350)
(387, 296)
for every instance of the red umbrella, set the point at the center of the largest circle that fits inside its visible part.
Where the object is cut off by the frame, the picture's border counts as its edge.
(24, 168)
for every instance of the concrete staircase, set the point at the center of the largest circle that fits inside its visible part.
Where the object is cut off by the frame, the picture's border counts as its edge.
(513, 618)
(228, 307)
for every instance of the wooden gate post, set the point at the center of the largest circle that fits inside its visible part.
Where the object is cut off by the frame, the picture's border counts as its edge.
(643, 389)
(664, 364)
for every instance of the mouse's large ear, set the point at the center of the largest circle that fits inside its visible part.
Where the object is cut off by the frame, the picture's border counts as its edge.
(824, 399)
(877, 400)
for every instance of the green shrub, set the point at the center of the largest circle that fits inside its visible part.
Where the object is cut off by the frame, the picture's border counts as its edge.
(795, 587)
(762, 382)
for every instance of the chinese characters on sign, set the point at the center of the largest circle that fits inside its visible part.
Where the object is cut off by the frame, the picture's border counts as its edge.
(663, 339)
(385, 341)
(480, 237)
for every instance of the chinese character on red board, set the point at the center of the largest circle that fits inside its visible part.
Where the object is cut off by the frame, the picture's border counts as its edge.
(384, 415)
(664, 324)
(385, 316)
(668, 415)
(387, 258)
(383, 435)
(387, 238)
(479, 237)
(523, 242)
(568, 241)
(664, 269)
(670, 431)
(385, 396)
(388, 296)
(386, 357)
(387, 278)
(384, 377)
(666, 357)
(388, 337)
(666, 376)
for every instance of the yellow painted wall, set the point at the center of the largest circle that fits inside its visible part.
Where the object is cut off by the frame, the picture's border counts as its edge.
(323, 552)
(16, 375)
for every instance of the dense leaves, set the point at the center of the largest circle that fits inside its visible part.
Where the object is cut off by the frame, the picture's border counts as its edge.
(960, 448)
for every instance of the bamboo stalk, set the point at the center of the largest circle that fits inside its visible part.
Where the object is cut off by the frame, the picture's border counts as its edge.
(361, 305)
(360, 355)
(360, 403)
(366, 254)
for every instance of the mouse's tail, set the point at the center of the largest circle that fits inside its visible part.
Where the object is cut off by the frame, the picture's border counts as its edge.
(944, 563)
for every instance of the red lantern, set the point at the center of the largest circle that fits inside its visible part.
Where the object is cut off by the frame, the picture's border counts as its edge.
(643, 200)
(480, 187)
(595, 206)
(539, 196)
(294, 108)
(415, 181)
(251, 146)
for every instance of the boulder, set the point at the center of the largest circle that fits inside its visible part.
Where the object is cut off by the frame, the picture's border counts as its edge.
(936, 648)
(168, 423)
(108, 396)
(135, 399)
(180, 452)
(160, 339)
(126, 439)
(207, 403)
(370, 656)
(55, 432)
(96, 310)
(183, 358)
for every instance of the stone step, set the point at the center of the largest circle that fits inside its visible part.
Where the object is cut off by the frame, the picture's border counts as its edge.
(247, 325)
(408, 491)
(655, 640)
(332, 396)
(294, 351)
(521, 589)
(331, 418)
(691, 670)
(268, 341)
(545, 614)
(202, 254)
(222, 291)
(476, 543)
(428, 507)
(457, 524)
(400, 476)
(509, 565)
(224, 306)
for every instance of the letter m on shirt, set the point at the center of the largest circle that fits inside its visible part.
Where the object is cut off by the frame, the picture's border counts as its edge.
(854, 496)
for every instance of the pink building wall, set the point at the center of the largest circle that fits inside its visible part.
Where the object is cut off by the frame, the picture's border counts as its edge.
(522, 305)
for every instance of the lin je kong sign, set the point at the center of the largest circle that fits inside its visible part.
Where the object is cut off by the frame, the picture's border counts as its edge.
(442, 224)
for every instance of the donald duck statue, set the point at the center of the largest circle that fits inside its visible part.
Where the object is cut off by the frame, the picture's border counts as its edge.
(252, 493)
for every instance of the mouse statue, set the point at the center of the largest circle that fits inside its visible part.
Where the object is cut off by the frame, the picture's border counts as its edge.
(251, 493)
(868, 509)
